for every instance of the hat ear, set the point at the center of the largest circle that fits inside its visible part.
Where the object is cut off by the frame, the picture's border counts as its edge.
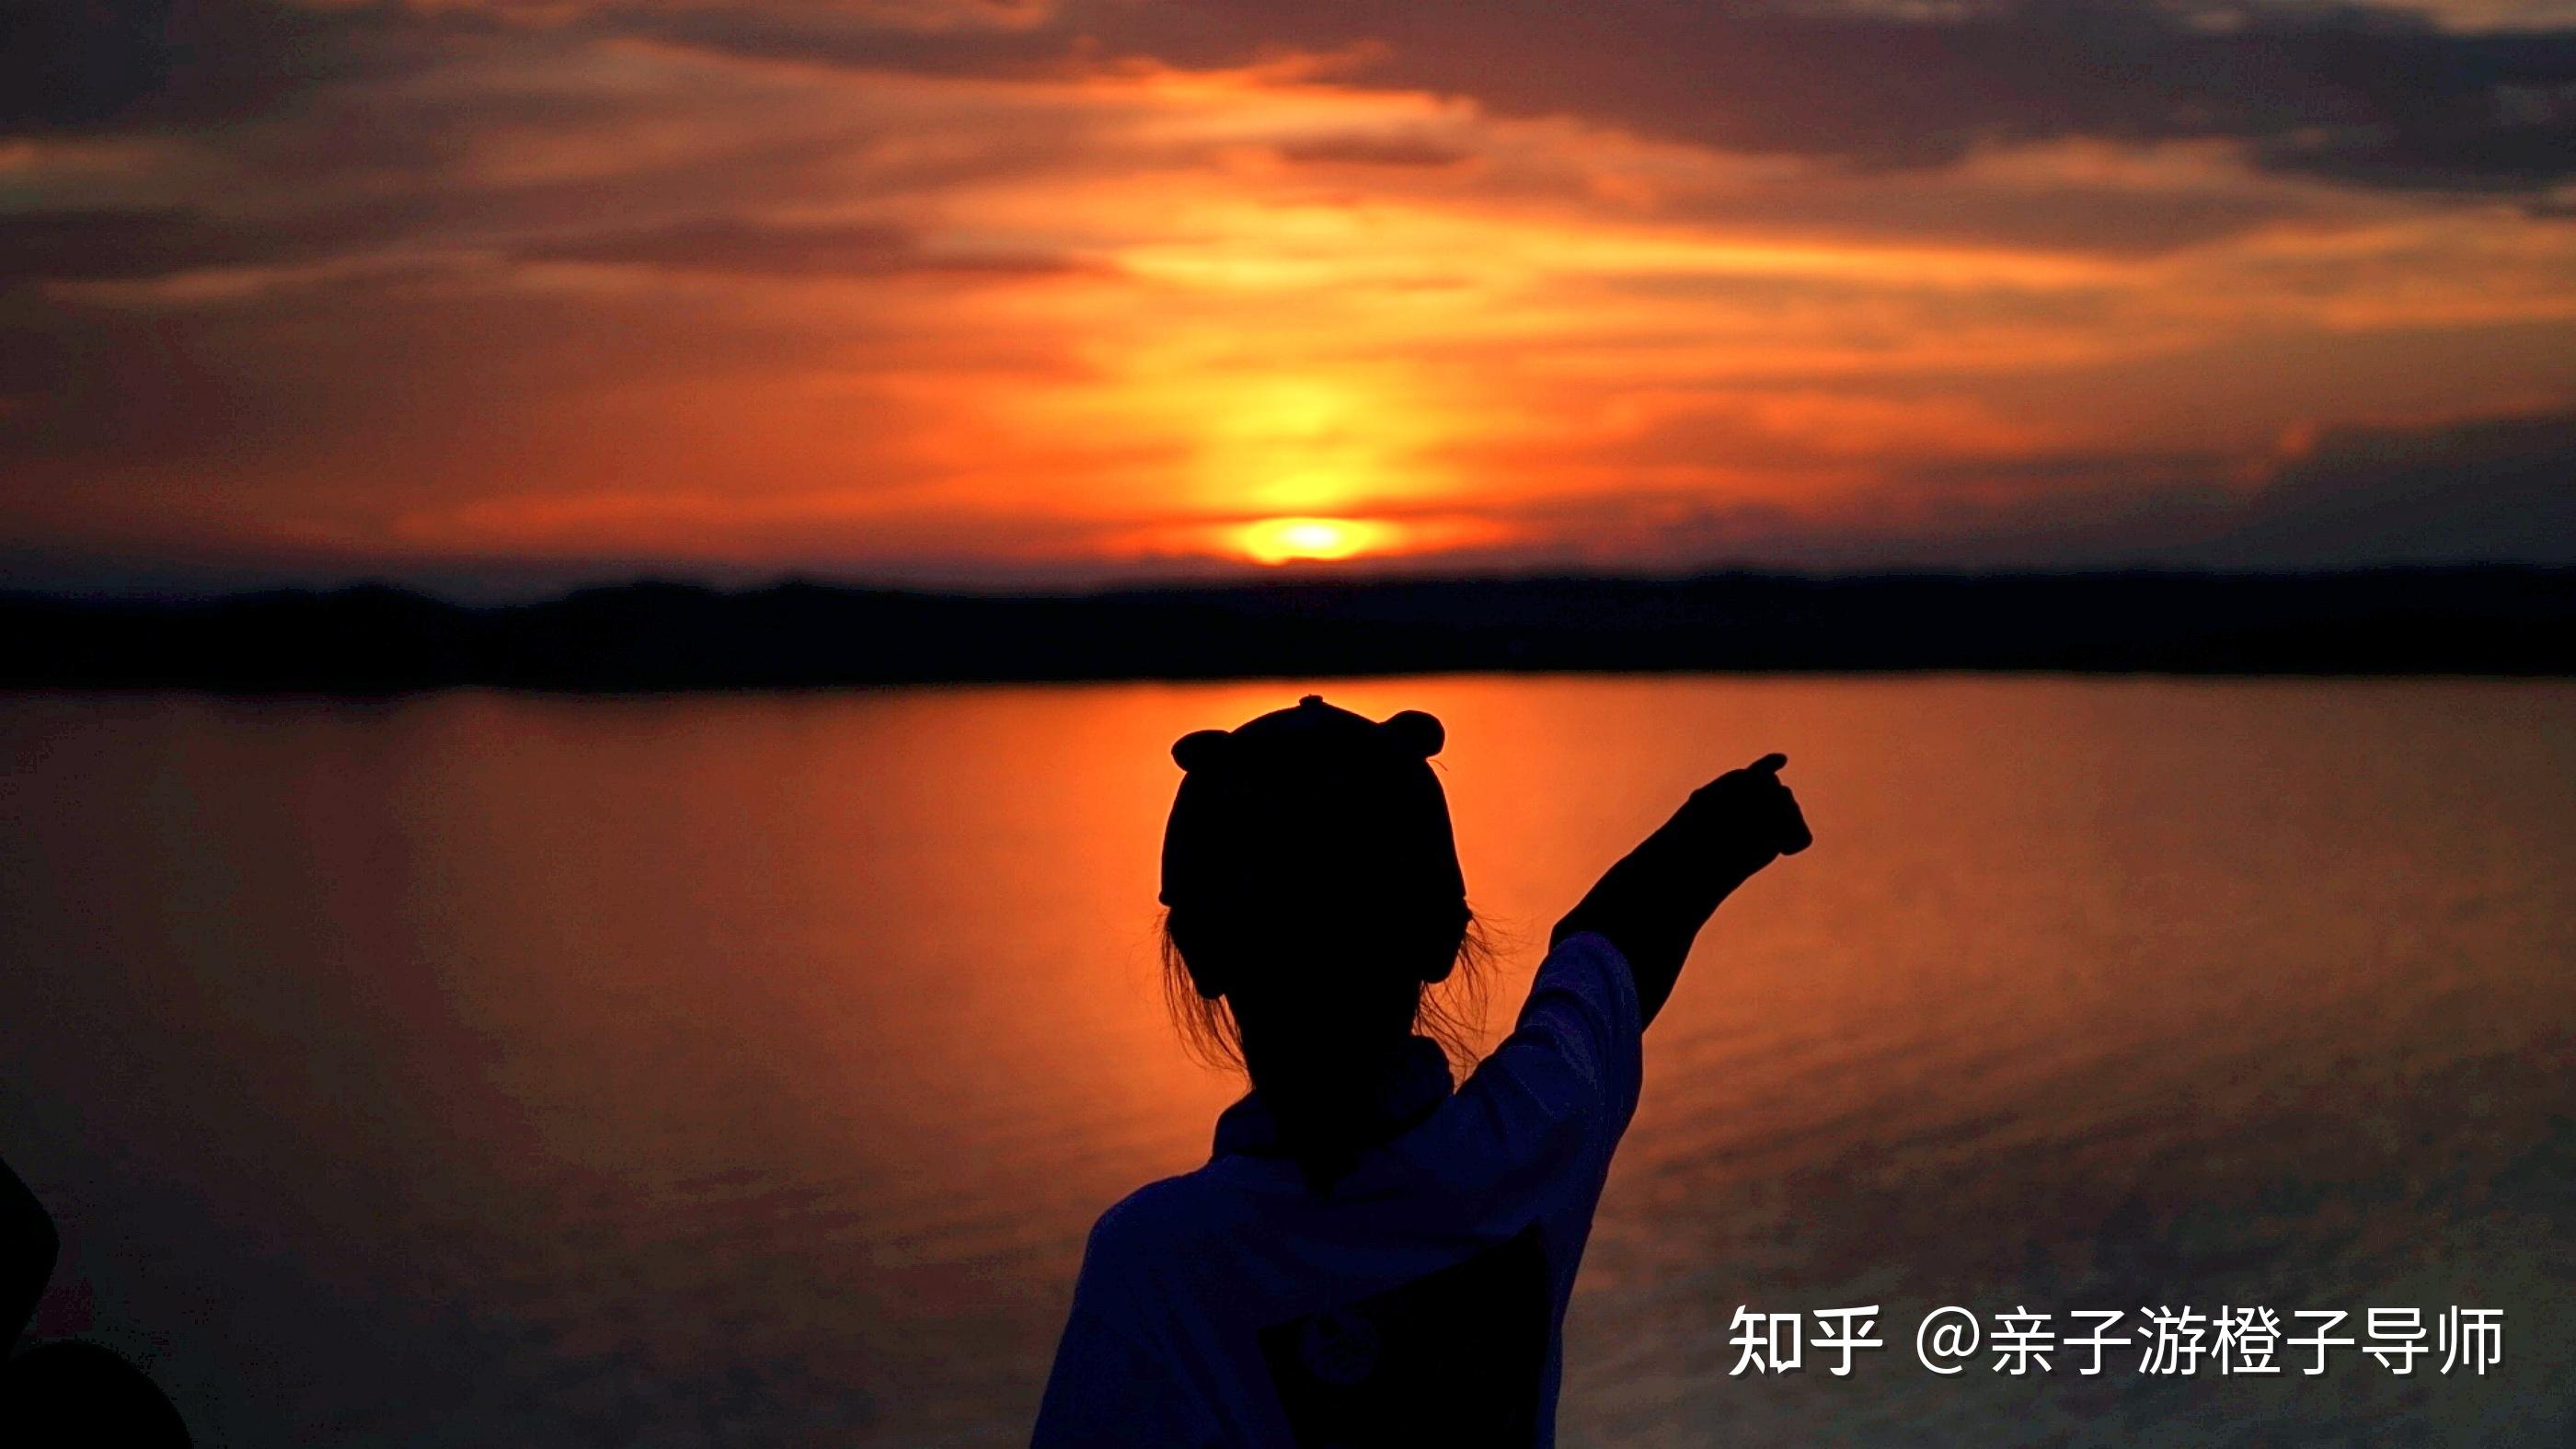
(1416, 733)
(1201, 748)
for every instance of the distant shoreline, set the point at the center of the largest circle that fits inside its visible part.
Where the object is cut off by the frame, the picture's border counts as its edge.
(2489, 621)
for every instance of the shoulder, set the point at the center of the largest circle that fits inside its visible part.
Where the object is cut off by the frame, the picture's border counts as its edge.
(1585, 974)
(1157, 1221)
(1585, 955)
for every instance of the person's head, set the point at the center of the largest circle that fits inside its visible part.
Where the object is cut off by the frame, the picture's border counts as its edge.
(1312, 892)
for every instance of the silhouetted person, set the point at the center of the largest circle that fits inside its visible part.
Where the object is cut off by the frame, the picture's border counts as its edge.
(57, 1395)
(1373, 1254)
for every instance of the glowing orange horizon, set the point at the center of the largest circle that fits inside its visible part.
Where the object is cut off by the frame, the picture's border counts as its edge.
(1291, 540)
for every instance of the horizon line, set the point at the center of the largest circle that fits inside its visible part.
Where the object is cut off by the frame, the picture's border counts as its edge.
(1263, 579)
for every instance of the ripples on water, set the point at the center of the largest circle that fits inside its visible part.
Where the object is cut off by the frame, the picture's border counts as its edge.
(481, 1069)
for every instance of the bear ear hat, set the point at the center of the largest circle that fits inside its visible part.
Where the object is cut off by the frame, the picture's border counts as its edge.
(1416, 733)
(1201, 748)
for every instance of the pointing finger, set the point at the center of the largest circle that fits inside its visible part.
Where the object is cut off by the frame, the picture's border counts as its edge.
(1770, 764)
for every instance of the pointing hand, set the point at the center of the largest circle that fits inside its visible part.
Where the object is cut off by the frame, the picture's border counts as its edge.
(1753, 811)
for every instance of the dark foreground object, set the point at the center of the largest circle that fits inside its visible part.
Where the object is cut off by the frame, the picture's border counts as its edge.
(671, 636)
(66, 1393)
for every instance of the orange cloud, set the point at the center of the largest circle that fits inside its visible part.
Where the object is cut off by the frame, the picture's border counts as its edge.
(584, 285)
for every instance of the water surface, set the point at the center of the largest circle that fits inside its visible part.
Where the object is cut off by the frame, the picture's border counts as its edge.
(480, 1069)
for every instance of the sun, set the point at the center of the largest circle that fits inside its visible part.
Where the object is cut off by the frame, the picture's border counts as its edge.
(1289, 540)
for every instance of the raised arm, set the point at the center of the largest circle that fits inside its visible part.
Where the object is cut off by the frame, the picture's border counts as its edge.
(1652, 903)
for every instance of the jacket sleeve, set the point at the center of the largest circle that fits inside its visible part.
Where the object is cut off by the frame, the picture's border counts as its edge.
(1544, 1112)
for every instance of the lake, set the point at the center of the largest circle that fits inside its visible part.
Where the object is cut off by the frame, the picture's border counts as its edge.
(475, 1068)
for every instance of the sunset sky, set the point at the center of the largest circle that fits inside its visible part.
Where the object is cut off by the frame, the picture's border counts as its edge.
(502, 293)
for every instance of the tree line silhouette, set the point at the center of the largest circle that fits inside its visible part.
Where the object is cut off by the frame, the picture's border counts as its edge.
(659, 635)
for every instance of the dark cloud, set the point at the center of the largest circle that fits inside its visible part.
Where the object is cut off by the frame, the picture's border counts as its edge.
(2065, 212)
(735, 247)
(2500, 490)
(2495, 490)
(86, 64)
(403, 385)
(79, 64)
(2365, 94)
(2492, 491)
(117, 243)
(357, 178)
(2361, 94)
(855, 37)
(114, 244)
(2358, 93)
